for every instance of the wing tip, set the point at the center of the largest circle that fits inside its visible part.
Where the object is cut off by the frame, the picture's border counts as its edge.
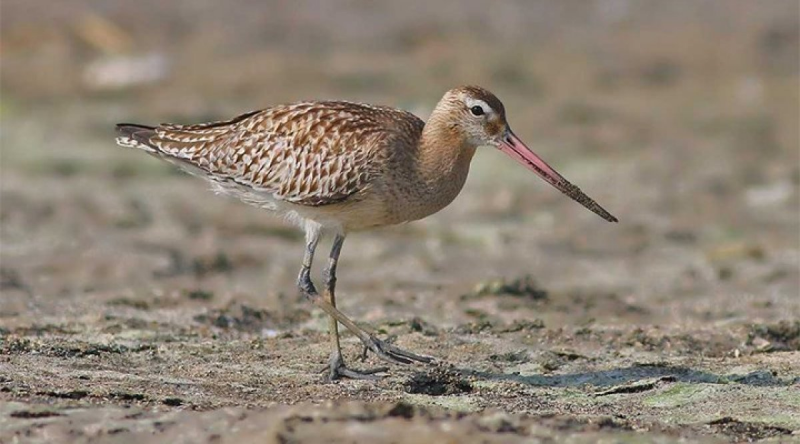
(134, 135)
(127, 129)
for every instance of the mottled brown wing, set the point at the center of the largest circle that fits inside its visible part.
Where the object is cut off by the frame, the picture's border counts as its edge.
(310, 153)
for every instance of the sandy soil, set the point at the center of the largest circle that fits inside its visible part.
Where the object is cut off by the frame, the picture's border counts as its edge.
(138, 307)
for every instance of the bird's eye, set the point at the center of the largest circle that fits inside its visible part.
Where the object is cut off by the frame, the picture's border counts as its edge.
(476, 110)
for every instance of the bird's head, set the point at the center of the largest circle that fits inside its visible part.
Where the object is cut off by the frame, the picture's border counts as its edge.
(476, 115)
(478, 118)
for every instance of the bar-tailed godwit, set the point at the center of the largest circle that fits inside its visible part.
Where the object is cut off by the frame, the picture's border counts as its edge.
(339, 167)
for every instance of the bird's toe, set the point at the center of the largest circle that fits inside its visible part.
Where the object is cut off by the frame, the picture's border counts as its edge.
(338, 370)
(396, 355)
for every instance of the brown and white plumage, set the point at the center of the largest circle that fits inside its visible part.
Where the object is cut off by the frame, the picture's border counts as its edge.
(307, 154)
(346, 166)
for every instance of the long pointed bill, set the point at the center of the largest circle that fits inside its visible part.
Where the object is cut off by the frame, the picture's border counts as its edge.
(517, 150)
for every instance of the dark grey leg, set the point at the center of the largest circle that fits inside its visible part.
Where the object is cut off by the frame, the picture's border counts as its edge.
(330, 296)
(382, 349)
(336, 366)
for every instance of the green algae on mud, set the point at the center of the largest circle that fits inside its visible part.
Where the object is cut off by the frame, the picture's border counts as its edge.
(677, 395)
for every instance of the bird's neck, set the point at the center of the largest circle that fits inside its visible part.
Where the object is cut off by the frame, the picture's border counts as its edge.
(441, 168)
(444, 152)
(428, 177)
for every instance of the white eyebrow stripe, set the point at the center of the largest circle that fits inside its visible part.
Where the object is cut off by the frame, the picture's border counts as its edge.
(478, 102)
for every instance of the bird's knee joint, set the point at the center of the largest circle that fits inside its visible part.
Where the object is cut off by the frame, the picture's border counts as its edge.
(304, 282)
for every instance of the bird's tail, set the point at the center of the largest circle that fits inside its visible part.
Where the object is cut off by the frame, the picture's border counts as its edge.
(133, 135)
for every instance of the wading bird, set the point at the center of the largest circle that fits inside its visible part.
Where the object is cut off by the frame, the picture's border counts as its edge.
(339, 167)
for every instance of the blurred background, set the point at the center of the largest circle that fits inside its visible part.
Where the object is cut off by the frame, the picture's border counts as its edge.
(125, 284)
(680, 117)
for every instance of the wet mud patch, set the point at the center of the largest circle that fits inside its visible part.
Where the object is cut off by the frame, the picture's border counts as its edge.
(439, 382)
(71, 394)
(742, 431)
(130, 397)
(28, 414)
(173, 402)
(763, 378)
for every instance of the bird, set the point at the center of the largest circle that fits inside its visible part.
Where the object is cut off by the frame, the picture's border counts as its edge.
(339, 167)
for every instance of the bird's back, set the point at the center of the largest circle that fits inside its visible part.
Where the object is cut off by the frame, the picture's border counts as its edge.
(306, 153)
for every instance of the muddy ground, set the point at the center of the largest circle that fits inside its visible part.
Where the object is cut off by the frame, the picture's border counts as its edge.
(138, 307)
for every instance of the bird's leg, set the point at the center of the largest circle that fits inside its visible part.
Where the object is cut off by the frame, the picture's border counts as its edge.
(336, 366)
(382, 349)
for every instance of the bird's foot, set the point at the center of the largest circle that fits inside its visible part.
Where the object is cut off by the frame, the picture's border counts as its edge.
(390, 353)
(337, 369)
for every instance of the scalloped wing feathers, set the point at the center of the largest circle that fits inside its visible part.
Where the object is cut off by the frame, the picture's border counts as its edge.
(308, 153)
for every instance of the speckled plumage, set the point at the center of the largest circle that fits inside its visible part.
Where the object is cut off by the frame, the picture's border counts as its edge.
(309, 154)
